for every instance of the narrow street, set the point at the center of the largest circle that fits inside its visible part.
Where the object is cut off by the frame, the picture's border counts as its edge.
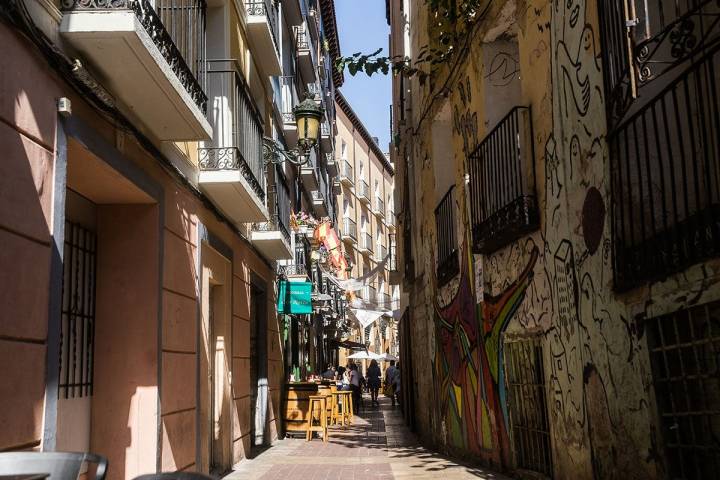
(377, 446)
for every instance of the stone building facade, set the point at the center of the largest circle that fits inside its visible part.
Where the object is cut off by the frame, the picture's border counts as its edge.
(558, 235)
(366, 220)
(141, 228)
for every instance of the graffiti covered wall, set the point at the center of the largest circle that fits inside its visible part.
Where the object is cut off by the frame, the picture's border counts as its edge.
(555, 282)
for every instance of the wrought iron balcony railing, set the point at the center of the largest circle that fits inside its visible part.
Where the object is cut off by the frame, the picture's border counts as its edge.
(289, 98)
(448, 264)
(665, 172)
(278, 203)
(364, 190)
(503, 204)
(177, 28)
(380, 206)
(302, 38)
(367, 242)
(392, 261)
(380, 253)
(268, 9)
(237, 127)
(349, 228)
(346, 172)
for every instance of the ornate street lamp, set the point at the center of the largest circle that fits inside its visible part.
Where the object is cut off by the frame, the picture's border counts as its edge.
(307, 117)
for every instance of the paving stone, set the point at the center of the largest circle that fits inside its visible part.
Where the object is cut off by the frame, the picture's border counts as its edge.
(377, 446)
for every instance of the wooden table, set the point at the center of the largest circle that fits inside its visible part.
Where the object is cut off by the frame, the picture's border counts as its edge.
(297, 405)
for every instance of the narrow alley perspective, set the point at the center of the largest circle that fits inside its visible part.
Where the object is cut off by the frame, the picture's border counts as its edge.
(359, 239)
(376, 446)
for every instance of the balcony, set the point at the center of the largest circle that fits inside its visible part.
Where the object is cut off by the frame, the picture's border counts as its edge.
(368, 294)
(448, 262)
(231, 165)
(366, 244)
(272, 238)
(331, 163)
(379, 207)
(363, 192)
(347, 176)
(262, 25)
(503, 205)
(349, 230)
(390, 220)
(305, 53)
(384, 301)
(665, 179)
(309, 172)
(380, 253)
(149, 60)
(293, 11)
(315, 92)
(336, 187)
(326, 137)
(288, 101)
(319, 203)
(299, 269)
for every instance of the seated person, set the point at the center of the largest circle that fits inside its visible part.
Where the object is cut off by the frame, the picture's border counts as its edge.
(329, 374)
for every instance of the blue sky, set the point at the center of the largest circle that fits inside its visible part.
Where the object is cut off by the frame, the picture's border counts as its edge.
(363, 28)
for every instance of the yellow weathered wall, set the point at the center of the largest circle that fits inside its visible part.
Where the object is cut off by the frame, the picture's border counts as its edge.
(597, 371)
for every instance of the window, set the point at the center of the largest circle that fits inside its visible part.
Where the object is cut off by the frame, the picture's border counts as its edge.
(77, 335)
(685, 357)
(447, 247)
(527, 404)
(663, 116)
(343, 150)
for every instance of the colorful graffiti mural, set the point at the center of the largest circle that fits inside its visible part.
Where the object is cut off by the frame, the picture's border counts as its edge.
(468, 362)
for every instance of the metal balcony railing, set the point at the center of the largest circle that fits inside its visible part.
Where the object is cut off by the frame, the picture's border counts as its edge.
(392, 261)
(269, 9)
(364, 190)
(448, 264)
(289, 98)
(176, 27)
(349, 228)
(503, 203)
(380, 253)
(237, 127)
(380, 206)
(367, 242)
(665, 172)
(278, 203)
(346, 171)
(325, 129)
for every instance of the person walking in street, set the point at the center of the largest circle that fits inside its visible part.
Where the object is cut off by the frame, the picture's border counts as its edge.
(396, 385)
(374, 374)
(355, 387)
(390, 381)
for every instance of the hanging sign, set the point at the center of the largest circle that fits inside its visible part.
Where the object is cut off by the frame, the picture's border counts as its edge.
(294, 297)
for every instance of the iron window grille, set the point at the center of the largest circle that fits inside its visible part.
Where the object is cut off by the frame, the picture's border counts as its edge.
(663, 117)
(503, 203)
(527, 404)
(237, 137)
(448, 264)
(665, 164)
(77, 334)
(176, 27)
(684, 353)
(279, 203)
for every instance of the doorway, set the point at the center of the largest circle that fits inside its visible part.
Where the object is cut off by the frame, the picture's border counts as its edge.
(258, 367)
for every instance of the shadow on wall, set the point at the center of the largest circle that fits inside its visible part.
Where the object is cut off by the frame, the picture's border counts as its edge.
(27, 135)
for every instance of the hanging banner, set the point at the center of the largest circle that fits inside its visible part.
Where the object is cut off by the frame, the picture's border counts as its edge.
(294, 297)
(366, 317)
(325, 234)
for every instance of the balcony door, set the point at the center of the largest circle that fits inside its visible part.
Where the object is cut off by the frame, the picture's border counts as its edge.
(259, 435)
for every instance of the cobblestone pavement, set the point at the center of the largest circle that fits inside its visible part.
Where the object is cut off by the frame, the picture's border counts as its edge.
(377, 446)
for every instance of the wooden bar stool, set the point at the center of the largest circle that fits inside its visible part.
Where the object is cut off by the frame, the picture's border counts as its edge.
(347, 406)
(317, 402)
(337, 415)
